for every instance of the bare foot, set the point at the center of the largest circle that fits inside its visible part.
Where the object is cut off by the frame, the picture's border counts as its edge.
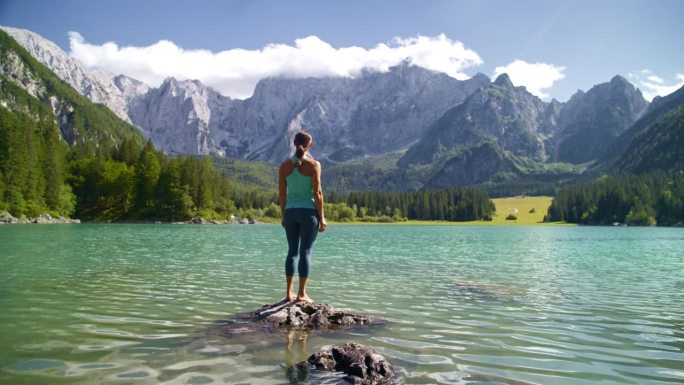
(304, 298)
(290, 296)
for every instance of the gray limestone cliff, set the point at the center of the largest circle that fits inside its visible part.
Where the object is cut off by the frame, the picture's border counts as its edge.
(590, 121)
(96, 85)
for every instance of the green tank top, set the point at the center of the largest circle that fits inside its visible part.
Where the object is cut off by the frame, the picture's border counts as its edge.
(299, 190)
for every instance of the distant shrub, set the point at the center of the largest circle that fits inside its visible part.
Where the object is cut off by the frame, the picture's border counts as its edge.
(533, 211)
(511, 217)
(272, 211)
(385, 219)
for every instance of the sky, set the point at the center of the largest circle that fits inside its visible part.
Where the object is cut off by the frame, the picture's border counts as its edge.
(551, 47)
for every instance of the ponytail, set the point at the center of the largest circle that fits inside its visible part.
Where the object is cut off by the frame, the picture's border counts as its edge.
(299, 153)
(301, 140)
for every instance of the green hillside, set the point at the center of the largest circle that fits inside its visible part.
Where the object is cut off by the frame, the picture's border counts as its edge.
(659, 146)
(640, 181)
(63, 155)
(81, 121)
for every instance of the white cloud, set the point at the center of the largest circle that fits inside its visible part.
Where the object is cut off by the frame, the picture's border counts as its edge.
(652, 85)
(536, 77)
(655, 79)
(235, 72)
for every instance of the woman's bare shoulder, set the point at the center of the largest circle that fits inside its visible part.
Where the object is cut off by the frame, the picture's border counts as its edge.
(309, 160)
(286, 166)
(311, 163)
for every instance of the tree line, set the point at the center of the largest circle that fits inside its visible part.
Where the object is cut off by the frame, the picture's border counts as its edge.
(655, 198)
(39, 174)
(451, 204)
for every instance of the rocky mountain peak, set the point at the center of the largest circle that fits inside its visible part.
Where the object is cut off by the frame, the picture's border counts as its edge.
(500, 113)
(373, 113)
(130, 88)
(618, 80)
(480, 77)
(576, 96)
(591, 120)
(96, 85)
(503, 80)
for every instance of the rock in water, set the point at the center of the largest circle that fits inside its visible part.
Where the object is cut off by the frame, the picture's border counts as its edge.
(307, 315)
(286, 316)
(361, 364)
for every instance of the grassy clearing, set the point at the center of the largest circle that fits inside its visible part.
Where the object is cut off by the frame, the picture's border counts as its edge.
(520, 207)
(504, 207)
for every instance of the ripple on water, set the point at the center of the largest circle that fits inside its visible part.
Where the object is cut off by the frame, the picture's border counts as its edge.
(104, 345)
(195, 378)
(553, 306)
(36, 365)
(135, 374)
(415, 358)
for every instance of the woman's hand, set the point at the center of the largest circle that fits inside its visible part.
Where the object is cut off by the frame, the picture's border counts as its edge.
(322, 225)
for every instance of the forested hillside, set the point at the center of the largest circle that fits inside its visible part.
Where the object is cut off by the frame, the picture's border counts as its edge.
(645, 185)
(648, 199)
(660, 146)
(63, 155)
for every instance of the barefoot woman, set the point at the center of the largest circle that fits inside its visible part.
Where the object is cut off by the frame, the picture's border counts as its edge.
(301, 207)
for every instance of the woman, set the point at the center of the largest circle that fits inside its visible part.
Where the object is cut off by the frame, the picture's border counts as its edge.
(301, 208)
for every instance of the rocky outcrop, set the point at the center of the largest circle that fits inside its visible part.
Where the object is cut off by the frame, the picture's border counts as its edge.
(361, 364)
(177, 116)
(307, 315)
(7, 218)
(272, 323)
(288, 316)
(232, 221)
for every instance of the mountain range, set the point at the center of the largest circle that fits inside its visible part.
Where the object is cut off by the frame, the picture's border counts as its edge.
(406, 128)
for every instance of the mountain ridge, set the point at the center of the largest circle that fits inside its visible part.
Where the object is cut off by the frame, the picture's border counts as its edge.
(74, 114)
(437, 123)
(96, 85)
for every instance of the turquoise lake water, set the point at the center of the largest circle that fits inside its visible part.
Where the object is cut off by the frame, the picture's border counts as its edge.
(137, 304)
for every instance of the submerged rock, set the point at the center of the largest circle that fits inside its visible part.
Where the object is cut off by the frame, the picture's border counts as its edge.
(361, 364)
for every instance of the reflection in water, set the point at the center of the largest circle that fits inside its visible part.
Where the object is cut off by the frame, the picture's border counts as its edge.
(295, 351)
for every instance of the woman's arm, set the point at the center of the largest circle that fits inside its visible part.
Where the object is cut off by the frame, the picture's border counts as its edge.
(282, 192)
(318, 196)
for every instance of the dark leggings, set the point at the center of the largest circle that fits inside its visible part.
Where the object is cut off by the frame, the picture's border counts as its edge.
(301, 228)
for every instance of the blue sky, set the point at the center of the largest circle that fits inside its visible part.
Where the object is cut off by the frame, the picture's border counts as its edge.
(559, 46)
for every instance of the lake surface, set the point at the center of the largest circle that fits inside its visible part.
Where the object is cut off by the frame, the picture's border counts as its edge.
(136, 304)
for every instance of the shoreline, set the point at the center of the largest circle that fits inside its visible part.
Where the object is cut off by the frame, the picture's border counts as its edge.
(269, 222)
(447, 223)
